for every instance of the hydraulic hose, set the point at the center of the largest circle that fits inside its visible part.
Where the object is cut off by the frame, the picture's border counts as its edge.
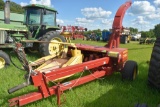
(16, 88)
(14, 63)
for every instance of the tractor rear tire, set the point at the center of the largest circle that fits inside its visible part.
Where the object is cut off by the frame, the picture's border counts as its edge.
(130, 70)
(154, 66)
(141, 105)
(4, 59)
(32, 49)
(51, 48)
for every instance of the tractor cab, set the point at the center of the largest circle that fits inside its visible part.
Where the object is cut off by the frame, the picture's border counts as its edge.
(38, 18)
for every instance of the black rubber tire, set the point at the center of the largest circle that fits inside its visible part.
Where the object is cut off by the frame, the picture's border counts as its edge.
(154, 66)
(5, 57)
(33, 49)
(43, 47)
(130, 70)
(141, 105)
(74, 38)
(88, 37)
(123, 39)
(94, 38)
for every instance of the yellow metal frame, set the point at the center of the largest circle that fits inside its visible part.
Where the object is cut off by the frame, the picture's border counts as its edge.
(113, 54)
(47, 63)
(2, 62)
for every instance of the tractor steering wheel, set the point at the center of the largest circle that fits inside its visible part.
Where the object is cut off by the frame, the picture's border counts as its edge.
(31, 21)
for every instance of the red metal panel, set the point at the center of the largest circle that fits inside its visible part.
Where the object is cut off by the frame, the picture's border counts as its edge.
(73, 83)
(117, 25)
(41, 82)
(25, 99)
(62, 72)
(37, 80)
(82, 80)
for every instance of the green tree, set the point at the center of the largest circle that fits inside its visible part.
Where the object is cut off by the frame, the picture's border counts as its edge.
(157, 30)
(133, 30)
(97, 32)
(151, 33)
(88, 32)
(1, 5)
(16, 8)
(144, 34)
(104, 30)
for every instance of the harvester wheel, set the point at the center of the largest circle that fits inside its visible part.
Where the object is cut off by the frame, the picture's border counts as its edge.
(51, 48)
(4, 59)
(154, 66)
(130, 70)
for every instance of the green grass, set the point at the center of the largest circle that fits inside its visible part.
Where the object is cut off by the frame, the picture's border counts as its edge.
(107, 92)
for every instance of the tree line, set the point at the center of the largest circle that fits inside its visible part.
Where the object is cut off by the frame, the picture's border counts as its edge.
(152, 33)
(14, 7)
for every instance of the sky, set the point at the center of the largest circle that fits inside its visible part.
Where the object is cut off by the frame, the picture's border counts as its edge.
(99, 14)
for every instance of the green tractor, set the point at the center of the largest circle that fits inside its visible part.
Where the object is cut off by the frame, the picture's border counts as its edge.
(146, 40)
(39, 32)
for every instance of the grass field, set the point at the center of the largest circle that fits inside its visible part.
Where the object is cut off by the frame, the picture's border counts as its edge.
(107, 92)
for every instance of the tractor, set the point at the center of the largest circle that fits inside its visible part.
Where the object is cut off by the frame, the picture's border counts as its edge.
(39, 29)
(125, 39)
(95, 61)
(146, 40)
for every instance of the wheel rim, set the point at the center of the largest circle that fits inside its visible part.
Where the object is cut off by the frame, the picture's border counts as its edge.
(2, 62)
(55, 47)
(134, 73)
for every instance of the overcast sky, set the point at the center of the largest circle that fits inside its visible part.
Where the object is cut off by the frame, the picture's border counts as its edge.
(94, 14)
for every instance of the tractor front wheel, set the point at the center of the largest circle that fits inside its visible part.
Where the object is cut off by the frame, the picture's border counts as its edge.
(4, 59)
(130, 70)
(51, 48)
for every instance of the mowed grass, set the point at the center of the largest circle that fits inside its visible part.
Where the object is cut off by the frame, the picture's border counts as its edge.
(110, 91)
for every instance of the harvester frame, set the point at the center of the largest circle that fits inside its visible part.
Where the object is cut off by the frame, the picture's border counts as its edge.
(101, 61)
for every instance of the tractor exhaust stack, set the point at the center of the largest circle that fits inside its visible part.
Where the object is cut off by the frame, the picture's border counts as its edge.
(7, 12)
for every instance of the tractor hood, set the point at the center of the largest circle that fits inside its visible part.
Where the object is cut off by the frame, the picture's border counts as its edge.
(13, 27)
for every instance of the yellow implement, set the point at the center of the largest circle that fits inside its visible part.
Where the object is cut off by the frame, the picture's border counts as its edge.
(59, 60)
